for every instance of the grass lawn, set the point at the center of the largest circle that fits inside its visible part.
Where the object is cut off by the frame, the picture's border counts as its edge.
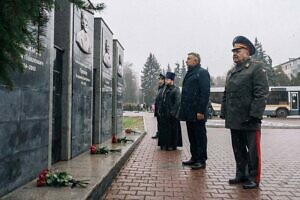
(136, 123)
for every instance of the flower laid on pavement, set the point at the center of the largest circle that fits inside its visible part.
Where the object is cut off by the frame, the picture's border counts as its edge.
(102, 150)
(55, 178)
(129, 130)
(124, 140)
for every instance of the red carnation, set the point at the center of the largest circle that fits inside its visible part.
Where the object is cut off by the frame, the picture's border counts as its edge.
(44, 172)
(42, 178)
(93, 149)
(40, 183)
(128, 130)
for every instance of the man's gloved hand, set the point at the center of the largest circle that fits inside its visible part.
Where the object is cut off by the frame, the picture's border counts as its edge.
(252, 120)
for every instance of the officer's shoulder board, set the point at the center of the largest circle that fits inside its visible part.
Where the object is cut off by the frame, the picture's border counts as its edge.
(259, 65)
(257, 62)
(252, 62)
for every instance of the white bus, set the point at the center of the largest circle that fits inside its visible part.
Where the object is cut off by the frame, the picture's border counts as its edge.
(282, 101)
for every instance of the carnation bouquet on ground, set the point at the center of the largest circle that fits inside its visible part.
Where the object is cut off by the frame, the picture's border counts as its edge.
(55, 178)
(129, 130)
(102, 150)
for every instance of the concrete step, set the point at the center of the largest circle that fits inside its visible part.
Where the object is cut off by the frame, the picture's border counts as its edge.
(99, 169)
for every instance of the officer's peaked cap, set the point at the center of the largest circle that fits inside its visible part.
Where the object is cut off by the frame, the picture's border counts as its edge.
(243, 42)
(161, 76)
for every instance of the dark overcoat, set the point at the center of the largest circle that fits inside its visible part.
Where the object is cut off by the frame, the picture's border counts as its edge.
(170, 134)
(195, 94)
(158, 99)
(245, 95)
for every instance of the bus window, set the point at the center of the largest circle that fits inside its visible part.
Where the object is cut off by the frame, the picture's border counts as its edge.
(278, 98)
(215, 102)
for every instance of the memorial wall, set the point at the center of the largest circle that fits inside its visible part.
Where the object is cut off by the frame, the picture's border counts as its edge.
(103, 69)
(63, 102)
(82, 81)
(118, 84)
(24, 120)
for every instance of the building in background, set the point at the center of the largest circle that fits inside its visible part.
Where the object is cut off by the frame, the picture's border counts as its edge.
(291, 68)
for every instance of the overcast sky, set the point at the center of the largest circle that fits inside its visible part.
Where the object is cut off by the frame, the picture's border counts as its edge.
(171, 28)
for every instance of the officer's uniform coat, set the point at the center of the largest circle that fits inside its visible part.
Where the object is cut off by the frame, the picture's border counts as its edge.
(245, 95)
(244, 98)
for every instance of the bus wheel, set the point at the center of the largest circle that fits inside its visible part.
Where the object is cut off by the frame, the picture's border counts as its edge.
(281, 113)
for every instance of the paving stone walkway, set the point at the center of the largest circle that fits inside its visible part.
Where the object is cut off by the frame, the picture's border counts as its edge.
(154, 174)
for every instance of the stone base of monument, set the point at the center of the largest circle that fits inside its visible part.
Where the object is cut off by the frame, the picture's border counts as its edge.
(99, 169)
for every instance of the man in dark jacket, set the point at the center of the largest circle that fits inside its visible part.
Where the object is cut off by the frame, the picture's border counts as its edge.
(169, 137)
(193, 109)
(243, 105)
(158, 100)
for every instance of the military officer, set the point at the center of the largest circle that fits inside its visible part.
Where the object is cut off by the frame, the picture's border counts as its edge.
(243, 105)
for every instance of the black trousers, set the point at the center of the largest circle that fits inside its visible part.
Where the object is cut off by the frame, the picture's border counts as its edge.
(158, 124)
(247, 153)
(198, 140)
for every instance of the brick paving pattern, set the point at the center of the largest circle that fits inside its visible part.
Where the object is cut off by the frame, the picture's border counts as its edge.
(154, 174)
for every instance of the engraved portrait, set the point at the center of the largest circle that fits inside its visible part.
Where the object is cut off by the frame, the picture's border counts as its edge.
(82, 38)
(120, 66)
(107, 57)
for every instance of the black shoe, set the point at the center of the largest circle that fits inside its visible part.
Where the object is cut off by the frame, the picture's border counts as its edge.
(154, 137)
(250, 185)
(237, 180)
(188, 162)
(198, 166)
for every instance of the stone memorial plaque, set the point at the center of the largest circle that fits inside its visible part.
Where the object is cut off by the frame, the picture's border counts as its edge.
(82, 81)
(102, 130)
(24, 121)
(118, 58)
